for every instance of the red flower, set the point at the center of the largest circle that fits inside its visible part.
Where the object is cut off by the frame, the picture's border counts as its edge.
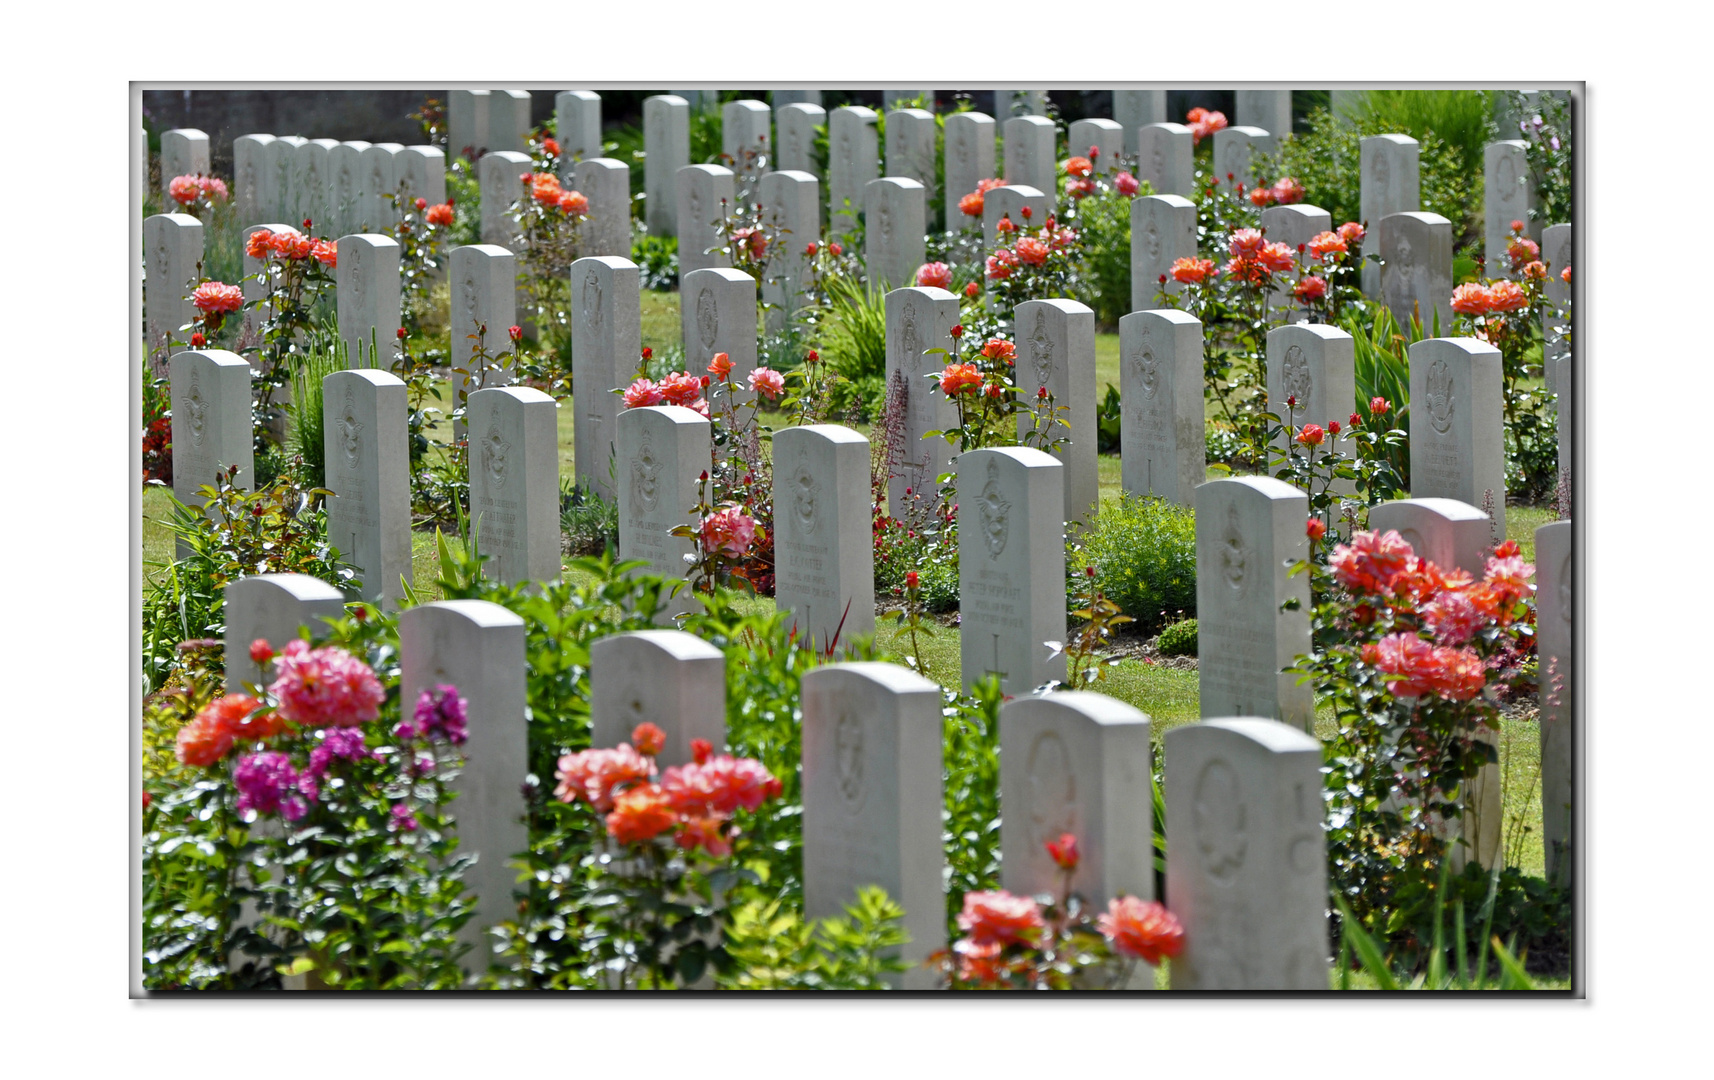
(1246, 243)
(440, 214)
(836, 249)
(1005, 224)
(1517, 226)
(1064, 851)
(719, 785)
(1326, 246)
(1126, 184)
(1031, 252)
(972, 288)
(911, 580)
(1192, 271)
(1026, 211)
(1262, 196)
(1000, 349)
(1311, 289)
(260, 651)
(1372, 561)
(1507, 296)
(1379, 406)
(215, 298)
(1288, 190)
(257, 246)
(705, 833)
(1333, 427)
(752, 241)
(1080, 189)
(551, 146)
(1277, 258)
(197, 341)
(958, 376)
(1079, 166)
(1000, 264)
(421, 205)
(1142, 928)
(971, 204)
(648, 739)
(516, 333)
(999, 918)
(574, 202)
(1311, 435)
(936, 275)
(1316, 528)
(1351, 232)
(1420, 667)
(958, 328)
(1471, 299)
(402, 333)
(640, 815)
(700, 749)
(326, 253)
(593, 776)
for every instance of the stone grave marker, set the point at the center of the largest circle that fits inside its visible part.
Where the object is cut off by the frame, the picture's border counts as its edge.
(668, 678)
(478, 647)
(1293, 225)
(380, 179)
(1246, 865)
(781, 98)
(1029, 152)
(895, 225)
(824, 545)
(368, 298)
(1163, 445)
(484, 280)
(1056, 349)
(1446, 532)
(312, 179)
(699, 99)
(249, 164)
(910, 145)
(718, 315)
(606, 342)
(606, 183)
(1103, 135)
(509, 120)
(577, 129)
(1556, 254)
(1235, 146)
(502, 185)
(1561, 375)
(1457, 445)
(1266, 109)
(1390, 180)
(184, 152)
(514, 482)
(706, 194)
(277, 196)
(1012, 103)
(369, 472)
(919, 318)
(663, 449)
(666, 150)
(1507, 196)
(273, 607)
(422, 172)
(1011, 566)
(1416, 270)
(1010, 201)
(1316, 365)
(1134, 109)
(467, 123)
(744, 140)
(1166, 158)
(791, 204)
(1248, 529)
(172, 246)
(211, 421)
(872, 800)
(796, 123)
(969, 154)
(1555, 584)
(853, 159)
(347, 176)
(1163, 230)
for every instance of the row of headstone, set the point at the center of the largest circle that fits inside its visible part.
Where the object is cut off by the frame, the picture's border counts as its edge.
(605, 182)
(488, 120)
(342, 187)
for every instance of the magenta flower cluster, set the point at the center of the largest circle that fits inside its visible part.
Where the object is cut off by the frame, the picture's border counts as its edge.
(267, 784)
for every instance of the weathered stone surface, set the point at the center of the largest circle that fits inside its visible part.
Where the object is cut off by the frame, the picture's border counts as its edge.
(796, 123)
(824, 549)
(1163, 444)
(514, 482)
(1134, 109)
(1457, 445)
(1166, 158)
(1163, 230)
(367, 295)
(668, 678)
(919, 319)
(367, 445)
(606, 344)
(705, 194)
(896, 224)
(1390, 182)
(1416, 270)
(1555, 592)
(666, 147)
(1056, 350)
(210, 391)
(853, 159)
(1011, 566)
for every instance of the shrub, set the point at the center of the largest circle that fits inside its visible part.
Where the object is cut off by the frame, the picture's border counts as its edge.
(856, 346)
(1144, 553)
(657, 258)
(1103, 224)
(1179, 639)
(1107, 420)
(588, 522)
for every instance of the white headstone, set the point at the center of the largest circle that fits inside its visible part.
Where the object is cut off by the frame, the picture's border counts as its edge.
(172, 246)
(853, 159)
(1556, 255)
(895, 226)
(919, 319)
(1166, 158)
(1248, 530)
(364, 417)
(502, 185)
(368, 298)
(781, 98)
(910, 145)
(211, 421)
(380, 179)
(872, 799)
(1011, 103)
(1416, 270)
(796, 123)
(514, 482)
(484, 282)
(1390, 182)
(1316, 365)
(663, 449)
(744, 139)
(1446, 532)
(666, 150)
(1163, 230)
(1105, 136)
(312, 179)
(791, 205)
(699, 99)
(1556, 582)
(1136, 108)
(422, 172)
(1246, 862)
(1056, 350)
(184, 152)
(508, 120)
(1507, 195)
(1009, 201)
(1029, 156)
(606, 183)
(1235, 147)
(1293, 225)
(1457, 444)
(824, 544)
(1266, 109)
(272, 607)
(606, 342)
(478, 647)
(346, 180)
(718, 315)
(705, 194)
(969, 151)
(249, 164)
(467, 123)
(277, 197)
(1163, 441)
(577, 128)
(1011, 566)
(668, 678)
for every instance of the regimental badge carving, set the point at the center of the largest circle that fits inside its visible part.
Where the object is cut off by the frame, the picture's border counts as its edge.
(1041, 350)
(1294, 377)
(806, 497)
(1379, 170)
(1146, 365)
(1152, 240)
(472, 309)
(707, 318)
(1052, 790)
(496, 451)
(961, 149)
(1505, 178)
(645, 477)
(1221, 825)
(592, 303)
(195, 408)
(247, 182)
(1234, 555)
(695, 200)
(884, 220)
(1565, 590)
(994, 513)
(848, 743)
(163, 263)
(350, 431)
(353, 265)
(1440, 402)
(845, 155)
(1157, 159)
(910, 344)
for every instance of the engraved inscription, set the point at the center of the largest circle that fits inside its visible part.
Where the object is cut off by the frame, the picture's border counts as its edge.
(1221, 825)
(1294, 376)
(645, 477)
(848, 740)
(1440, 402)
(993, 512)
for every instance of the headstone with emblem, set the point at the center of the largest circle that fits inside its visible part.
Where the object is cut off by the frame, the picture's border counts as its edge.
(1163, 445)
(718, 315)
(210, 391)
(514, 482)
(1056, 353)
(706, 194)
(919, 318)
(1458, 441)
(1166, 158)
(1011, 566)
(368, 300)
(824, 549)
(853, 159)
(796, 123)
(606, 346)
(895, 226)
(666, 150)
(969, 153)
(1163, 231)
(1390, 182)
(663, 450)
(668, 678)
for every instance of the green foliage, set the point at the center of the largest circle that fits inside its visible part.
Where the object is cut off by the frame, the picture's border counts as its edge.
(1107, 422)
(855, 345)
(1143, 549)
(656, 257)
(465, 195)
(906, 546)
(1178, 639)
(1460, 118)
(775, 948)
(705, 136)
(324, 356)
(589, 523)
(1545, 128)
(1382, 360)
(1103, 224)
(971, 758)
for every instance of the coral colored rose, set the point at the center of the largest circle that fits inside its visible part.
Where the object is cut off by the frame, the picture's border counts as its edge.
(1262, 196)
(1277, 258)
(1311, 289)
(1080, 189)
(1000, 349)
(1191, 271)
(1031, 252)
(1351, 232)
(1419, 667)
(326, 687)
(1063, 851)
(1315, 528)
(1507, 296)
(643, 392)
(258, 246)
(326, 253)
(1471, 298)
(1126, 184)
(972, 288)
(1453, 616)
(971, 205)
(1142, 928)
(705, 833)
(1517, 226)
(1246, 243)
(214, 298)
(1326, 245)
(420, 204)
(1565, 275)
(934, 275)
(184, 190)
(648, 739)
(1379, 406)
(1005, 224)
(551, 146)
(1247, 271)
(767, 382)
(700, 749)
(999, 918)
(728, 532)
(1509, 578)
(439, 214)
(1287, 191)
(751, 240)
(1000, 264)
(640, 814)
(1522, 250)
(1312, 435)
(291, 245)
(1506, 549)
(835, 249)
(546, 189)
(593, 776)
(681, 388)
(214, 188)
(1372, 561)
(1535, 270)
(204, 741)
(1196, 115)
(958, 376)
(1079, 166)
(720, 366)
(719, 786)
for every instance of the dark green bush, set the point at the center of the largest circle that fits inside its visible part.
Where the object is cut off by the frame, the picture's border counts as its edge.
(1144, 553)
(1179, 639)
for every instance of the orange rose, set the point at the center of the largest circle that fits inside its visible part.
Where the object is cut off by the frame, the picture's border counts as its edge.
(1000, 349)
(1471, 299)
(574, 202)
(958, 376)
(1079, 166)
(1507, 296)
(971, 204)
(1031, 252)
(640, 815)
(440, 214)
